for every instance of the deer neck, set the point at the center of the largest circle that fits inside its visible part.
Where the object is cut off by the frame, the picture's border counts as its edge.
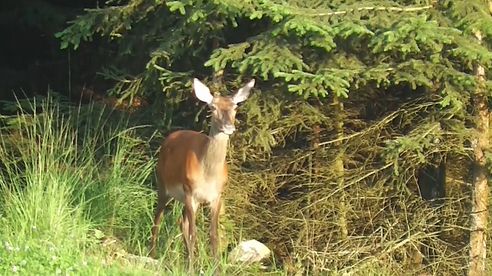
(215, 153)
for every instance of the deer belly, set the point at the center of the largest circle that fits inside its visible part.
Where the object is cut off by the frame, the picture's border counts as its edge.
(206, 193)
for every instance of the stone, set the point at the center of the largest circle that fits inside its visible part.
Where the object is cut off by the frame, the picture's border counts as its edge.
(249, 252)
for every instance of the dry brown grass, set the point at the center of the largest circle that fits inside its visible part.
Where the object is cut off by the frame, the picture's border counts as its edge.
(287, 194)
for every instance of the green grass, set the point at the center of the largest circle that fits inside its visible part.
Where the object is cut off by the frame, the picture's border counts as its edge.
(76, 197)
(60, 181)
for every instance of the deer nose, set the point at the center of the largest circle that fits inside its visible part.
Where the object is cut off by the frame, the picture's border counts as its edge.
(228, 129)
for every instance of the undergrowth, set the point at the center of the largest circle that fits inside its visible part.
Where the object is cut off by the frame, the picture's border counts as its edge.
(77, 198)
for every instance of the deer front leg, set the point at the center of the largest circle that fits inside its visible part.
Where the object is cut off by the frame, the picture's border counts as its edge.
(214, 226)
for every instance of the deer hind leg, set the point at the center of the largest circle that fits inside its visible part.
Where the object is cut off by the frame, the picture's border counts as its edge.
(185, 229)
(162, 201)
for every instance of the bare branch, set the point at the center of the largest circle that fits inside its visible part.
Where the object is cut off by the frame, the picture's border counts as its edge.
(390, 9)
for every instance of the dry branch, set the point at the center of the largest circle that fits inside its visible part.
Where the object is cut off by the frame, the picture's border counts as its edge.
(373, 8)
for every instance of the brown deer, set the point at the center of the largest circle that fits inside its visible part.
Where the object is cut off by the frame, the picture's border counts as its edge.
(192, 167)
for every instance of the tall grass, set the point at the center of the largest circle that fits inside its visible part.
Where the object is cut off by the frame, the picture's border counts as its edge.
(76, 197)
(70, 179)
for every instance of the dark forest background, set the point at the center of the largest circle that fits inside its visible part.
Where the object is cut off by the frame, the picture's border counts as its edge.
(32, 61)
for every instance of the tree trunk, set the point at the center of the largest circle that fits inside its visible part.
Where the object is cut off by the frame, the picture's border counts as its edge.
(313, 167)
(480, 192)
(340, 168)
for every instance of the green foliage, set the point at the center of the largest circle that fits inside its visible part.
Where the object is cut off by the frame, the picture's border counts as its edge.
(294, 42)
(319, 84)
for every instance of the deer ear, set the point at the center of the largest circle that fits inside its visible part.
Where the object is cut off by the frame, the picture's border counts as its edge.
(243, 93)
(202, 92)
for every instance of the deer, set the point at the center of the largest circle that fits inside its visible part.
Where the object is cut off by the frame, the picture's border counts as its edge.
(192, 168)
